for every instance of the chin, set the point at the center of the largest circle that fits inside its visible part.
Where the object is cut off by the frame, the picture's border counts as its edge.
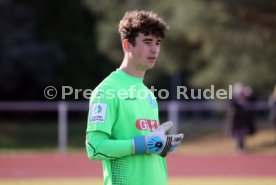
(150, 66)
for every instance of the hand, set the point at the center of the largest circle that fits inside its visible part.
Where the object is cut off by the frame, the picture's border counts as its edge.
(157, 142)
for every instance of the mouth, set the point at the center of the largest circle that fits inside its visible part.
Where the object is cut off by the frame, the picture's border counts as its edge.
(152, 58)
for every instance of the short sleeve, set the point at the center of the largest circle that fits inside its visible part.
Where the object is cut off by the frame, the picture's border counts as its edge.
(102, 110)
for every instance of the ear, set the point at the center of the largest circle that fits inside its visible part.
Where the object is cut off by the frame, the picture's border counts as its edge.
(126, 45)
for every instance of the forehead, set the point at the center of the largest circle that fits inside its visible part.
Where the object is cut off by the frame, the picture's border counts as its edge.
(142, 36)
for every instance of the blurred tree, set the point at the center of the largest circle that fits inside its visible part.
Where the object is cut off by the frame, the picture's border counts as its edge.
(25, 64)
(71, 24)
(238, 41)
(47, 43)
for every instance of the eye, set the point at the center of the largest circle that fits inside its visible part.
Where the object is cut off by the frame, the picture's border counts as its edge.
(158, 42)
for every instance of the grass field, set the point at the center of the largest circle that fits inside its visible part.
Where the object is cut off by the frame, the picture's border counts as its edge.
(199, 138)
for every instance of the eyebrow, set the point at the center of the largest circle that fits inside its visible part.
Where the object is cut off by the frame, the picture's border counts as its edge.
(149, 39)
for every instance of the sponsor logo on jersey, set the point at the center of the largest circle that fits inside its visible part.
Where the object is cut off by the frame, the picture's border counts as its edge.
(151, 101)
(98, 112)
(145, 124)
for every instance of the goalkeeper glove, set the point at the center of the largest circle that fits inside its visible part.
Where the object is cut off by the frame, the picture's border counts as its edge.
(157, 142)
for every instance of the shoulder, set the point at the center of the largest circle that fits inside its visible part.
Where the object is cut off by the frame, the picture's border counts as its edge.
(110, 82)
(107, 88)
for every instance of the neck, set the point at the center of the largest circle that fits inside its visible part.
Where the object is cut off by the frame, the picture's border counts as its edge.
(128, 67)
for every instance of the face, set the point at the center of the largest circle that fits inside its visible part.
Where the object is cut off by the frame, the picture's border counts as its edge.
(145, 52)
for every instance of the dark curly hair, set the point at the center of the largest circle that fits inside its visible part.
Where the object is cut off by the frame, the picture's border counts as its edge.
(145, 22)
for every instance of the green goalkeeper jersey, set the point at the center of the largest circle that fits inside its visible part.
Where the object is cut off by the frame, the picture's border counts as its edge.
(123, 107)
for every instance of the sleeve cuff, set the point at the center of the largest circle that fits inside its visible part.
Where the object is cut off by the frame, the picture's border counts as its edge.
(139, 145)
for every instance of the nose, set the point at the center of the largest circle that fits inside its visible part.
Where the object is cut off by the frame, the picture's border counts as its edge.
(154, 49)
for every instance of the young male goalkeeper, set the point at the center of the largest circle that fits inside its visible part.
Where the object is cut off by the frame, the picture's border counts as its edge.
(123, 125)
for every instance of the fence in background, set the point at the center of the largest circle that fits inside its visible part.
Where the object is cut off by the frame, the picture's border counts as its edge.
(63, 107)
